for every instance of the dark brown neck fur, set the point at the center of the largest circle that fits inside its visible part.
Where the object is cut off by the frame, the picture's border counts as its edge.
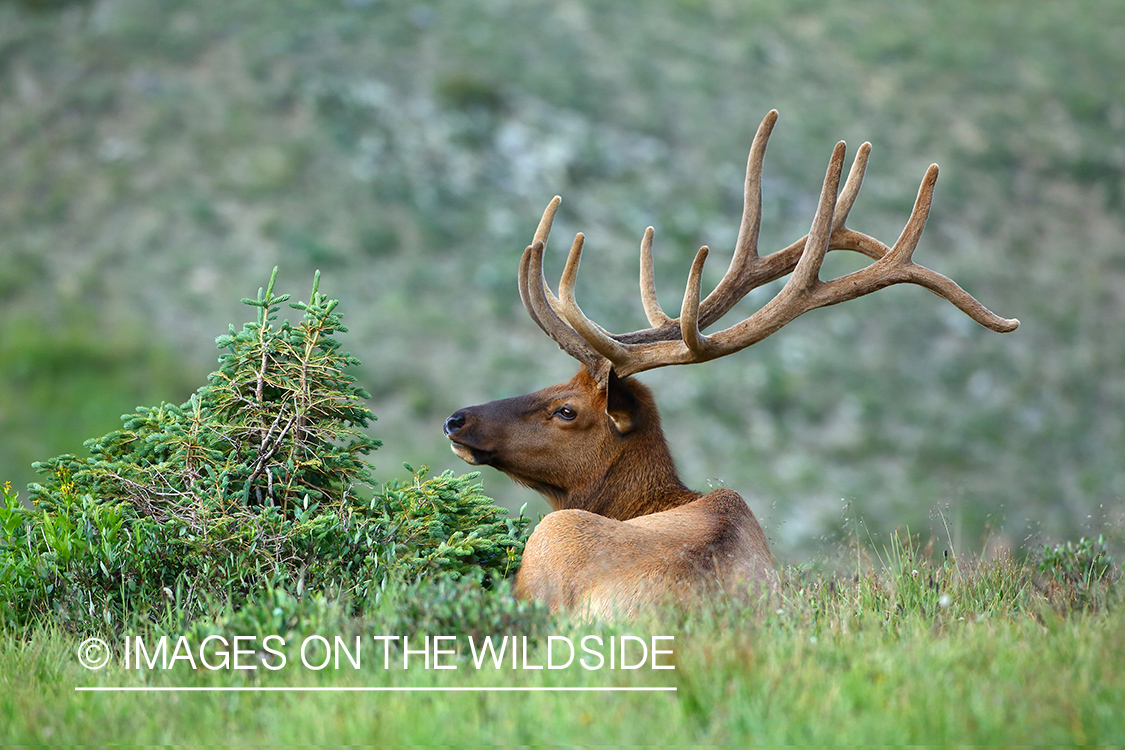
(625, 493)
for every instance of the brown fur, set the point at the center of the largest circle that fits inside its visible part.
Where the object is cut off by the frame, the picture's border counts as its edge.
(626, 533)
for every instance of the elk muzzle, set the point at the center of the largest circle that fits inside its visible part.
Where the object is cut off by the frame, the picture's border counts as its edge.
(459, 429)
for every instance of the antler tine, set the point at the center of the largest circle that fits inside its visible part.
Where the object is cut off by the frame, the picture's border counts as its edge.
(656, 316)
(851, 187)
(536, 300)
(525, 291)
(892, 265)
(746, 246)
(943, 286)
(800, 293)
(593, 334)
(543, 231)
(806, 274)
(696, 342)
(907, 242)
(728, 291)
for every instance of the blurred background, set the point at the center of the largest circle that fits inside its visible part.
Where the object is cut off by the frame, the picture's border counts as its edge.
(158, 158)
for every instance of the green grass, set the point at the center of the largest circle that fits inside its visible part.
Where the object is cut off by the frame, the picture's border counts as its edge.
(159, 158)
(905, 652)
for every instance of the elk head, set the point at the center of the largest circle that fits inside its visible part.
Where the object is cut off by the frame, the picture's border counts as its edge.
(581, 444)
(595, 442)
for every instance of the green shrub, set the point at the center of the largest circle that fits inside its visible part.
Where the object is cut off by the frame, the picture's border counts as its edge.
(1078, 575)
(444, 606)
(441, 605)
(257, 483)
(1085, 561)
(278, 422)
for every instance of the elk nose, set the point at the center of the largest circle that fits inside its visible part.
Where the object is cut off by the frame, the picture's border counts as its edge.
(455, 422)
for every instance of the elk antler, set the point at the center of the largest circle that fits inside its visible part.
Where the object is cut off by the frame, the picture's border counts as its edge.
(678, 341)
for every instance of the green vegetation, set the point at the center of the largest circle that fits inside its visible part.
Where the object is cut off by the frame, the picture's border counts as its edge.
(279, 422)
(901, 651)
(256, 484)
(229, 533)
(159, 157)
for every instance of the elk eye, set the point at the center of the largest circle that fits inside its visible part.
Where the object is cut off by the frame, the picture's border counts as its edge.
(566, 413)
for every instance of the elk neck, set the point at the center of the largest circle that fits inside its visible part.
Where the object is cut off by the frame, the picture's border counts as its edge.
(628, 490)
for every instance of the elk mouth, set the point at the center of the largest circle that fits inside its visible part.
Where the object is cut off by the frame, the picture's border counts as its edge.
(469, 454)
(480, 457)
(456, 430)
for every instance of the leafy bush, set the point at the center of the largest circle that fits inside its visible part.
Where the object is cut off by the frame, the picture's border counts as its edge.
(1085, 561)
(432, 606)
(445, 606)
(1078, 575)
(256, 483)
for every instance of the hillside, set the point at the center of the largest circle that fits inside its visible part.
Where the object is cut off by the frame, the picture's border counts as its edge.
(160, 158)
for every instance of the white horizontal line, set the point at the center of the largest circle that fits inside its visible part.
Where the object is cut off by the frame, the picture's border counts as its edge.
(298, 689)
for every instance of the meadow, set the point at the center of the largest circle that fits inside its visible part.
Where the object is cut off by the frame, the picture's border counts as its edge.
(160, 159)
(910, 653)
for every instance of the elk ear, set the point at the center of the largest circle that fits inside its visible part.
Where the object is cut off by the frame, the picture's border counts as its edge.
(621, 405)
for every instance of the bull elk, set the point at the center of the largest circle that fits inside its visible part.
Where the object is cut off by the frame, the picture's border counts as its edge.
(625, 533)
